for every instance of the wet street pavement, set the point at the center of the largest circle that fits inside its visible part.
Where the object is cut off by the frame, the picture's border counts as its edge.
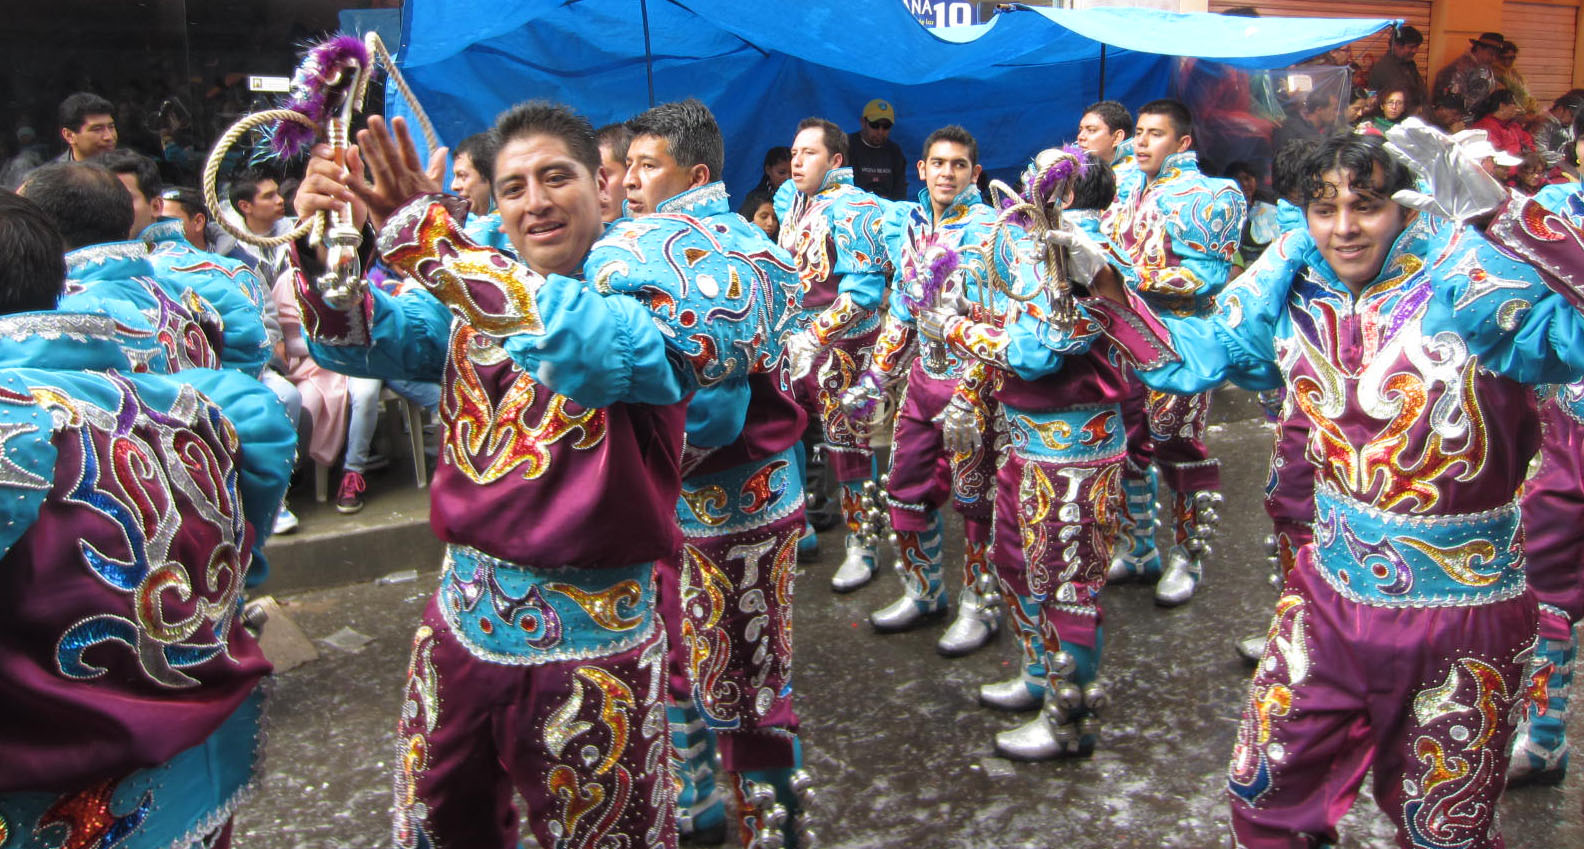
(901, 752)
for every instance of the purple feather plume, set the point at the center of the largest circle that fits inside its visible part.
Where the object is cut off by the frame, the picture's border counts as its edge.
(923, 286)
(319, 88)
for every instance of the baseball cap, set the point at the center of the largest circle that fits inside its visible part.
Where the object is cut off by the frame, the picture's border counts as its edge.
(879, 110)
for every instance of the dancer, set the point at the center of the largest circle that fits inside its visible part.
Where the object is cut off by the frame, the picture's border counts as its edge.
(1173, 232)
(949, 220)
(1052, 355)
(1400, 639)
(539, 665)
(126, 721)
(728, 599)
(832, 229)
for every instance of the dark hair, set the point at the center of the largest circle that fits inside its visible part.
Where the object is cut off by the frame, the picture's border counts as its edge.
(1238, 169)
(1447, 100)
(1358, 157)
(74, 110)
(690, 132)
(34, 271)
(123, 161)
(1493, 101)
(1318, 99)
(1572, 100)
(1181, 118)
(1405, 35)
(1095, 187)
(1114, 114)
(835, 140)
(479, 148)
(1289, 169)
(953, 133)
(86, 203)
(777, 155)
(543, 118)
(753, 201)
(245, 186)
(190, 200)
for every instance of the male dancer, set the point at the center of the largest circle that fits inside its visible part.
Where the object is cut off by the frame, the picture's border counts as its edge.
(134, 505)
(832, 229)
(1554, 551)
(950, 220)
(539, 665)
(1056, 366)
(729, 610)
(1106, 131)
(1173, 232)
(1401, 637)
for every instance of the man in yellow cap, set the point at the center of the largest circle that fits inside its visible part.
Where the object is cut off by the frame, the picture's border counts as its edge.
(877, 162)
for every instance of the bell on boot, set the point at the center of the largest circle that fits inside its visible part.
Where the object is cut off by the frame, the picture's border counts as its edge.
(976, 624)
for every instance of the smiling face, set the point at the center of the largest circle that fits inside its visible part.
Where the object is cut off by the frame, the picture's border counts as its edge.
(1354, 226)
(1155, 140)
(946, 170)
(549, 202)
(811, 160)
(654, 176)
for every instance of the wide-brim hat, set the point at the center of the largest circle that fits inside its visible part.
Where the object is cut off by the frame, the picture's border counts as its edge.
(1493, 40)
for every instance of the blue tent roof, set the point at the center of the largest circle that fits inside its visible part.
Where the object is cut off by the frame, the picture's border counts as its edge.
(1018, 82)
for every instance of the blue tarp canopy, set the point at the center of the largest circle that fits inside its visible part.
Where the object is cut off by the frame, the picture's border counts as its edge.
(1018, 82)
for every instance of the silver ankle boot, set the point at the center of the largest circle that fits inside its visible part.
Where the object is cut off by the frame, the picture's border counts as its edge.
(976, 624)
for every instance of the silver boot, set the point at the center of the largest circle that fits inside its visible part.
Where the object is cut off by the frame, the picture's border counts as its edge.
(858, 568)
(1017, 694)
(1185, 561)
(976, 624)
(907, 613)
(1252, 647)
(1043, 738)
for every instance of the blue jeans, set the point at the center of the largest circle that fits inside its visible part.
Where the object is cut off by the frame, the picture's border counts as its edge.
(363, 394)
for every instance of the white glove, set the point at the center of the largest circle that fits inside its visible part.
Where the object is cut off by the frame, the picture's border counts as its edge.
(960, 430)
(801, 349)
(1456, 187)
(1085, 257)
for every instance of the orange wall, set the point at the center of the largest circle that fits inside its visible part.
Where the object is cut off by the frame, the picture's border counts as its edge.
(1454, 22)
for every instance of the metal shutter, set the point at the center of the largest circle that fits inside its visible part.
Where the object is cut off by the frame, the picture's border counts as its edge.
(1415, 12)
(1544, 34)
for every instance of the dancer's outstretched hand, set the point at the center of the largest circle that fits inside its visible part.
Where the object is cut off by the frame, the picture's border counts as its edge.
(384, 171)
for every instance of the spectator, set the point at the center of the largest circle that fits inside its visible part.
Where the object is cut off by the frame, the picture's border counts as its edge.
(470, 177)
(87, 124)
(1476, 145)
(1361, 103)
(141, 177)
(777, 168)
(759, 209)
(1315, 119)
(877, 162)
(255, 195)
(1397, 70)
(1508, 77)
(1470, 77)
(1259, 228)
(1552, 128)
(1391, 107)
(1497, 115)
(187, 205)
(1532, 173)
(23, 161)
(1447, 113)
(613, 140)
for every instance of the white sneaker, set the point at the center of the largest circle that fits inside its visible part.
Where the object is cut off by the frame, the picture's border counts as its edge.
(285, 520)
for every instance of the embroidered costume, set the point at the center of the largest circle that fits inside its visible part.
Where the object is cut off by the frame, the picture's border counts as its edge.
(834, 236)
(134, 506)
(563, 407)
(1402, 633)
(1058, 490)
(924, 473)
(1173, 237)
